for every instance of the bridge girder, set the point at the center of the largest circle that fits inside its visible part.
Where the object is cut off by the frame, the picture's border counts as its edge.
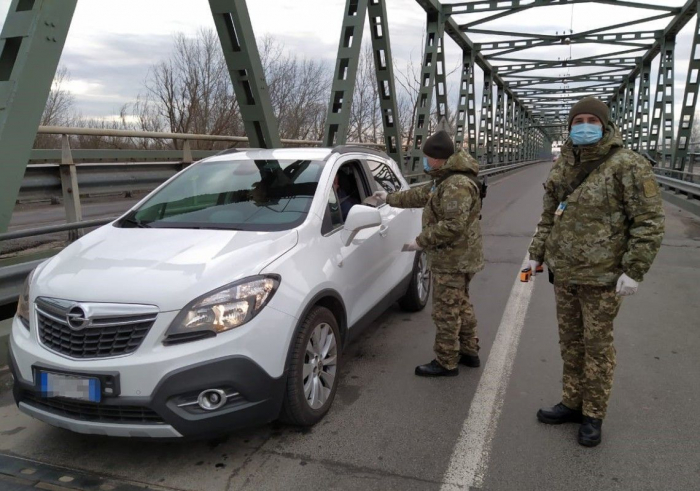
(524, 106)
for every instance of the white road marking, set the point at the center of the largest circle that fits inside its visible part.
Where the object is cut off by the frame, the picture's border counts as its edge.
(470, 456)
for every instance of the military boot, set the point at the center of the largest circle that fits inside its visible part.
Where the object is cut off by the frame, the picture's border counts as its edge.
(591, 431)
(472, 361)
(559, 414)
(434, 369)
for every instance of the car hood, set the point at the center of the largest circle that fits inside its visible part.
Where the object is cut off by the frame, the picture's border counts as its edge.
(167, 268)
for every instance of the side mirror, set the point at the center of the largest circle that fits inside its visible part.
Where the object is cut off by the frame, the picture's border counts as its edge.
(360, 218)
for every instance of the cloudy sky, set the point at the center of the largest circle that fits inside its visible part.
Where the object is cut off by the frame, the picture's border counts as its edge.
(111, 45)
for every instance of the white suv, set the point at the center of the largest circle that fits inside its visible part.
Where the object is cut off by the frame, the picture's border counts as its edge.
(223, 299)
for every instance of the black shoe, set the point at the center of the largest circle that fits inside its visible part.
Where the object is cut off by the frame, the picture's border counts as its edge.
(559, 414)
(434, 369)
(472, 361)
(591, 431)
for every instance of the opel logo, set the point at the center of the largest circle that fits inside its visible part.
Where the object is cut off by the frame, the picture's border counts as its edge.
(76, 318)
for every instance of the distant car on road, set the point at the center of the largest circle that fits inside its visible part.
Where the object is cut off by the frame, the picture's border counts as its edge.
(223, 299)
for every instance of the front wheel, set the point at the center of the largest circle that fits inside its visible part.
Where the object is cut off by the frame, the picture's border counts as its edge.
(313, 371)
(416, 297)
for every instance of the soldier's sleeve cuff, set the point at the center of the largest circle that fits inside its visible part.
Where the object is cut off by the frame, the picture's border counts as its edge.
(420, 243)
(635, 275)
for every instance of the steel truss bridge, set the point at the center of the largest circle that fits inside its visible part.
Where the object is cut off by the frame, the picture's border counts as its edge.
(522, 111)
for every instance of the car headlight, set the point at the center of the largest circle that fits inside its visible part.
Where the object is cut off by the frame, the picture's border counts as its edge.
(23, 302)
(223, 309)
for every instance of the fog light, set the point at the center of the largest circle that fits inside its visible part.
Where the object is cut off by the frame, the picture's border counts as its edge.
(211, 399)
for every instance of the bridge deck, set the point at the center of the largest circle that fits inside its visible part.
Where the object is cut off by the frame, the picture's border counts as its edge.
(391, 430)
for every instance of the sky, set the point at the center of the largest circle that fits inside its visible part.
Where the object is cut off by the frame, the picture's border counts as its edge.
(111, 45)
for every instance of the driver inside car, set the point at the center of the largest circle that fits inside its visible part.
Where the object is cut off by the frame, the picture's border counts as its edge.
(346, 200)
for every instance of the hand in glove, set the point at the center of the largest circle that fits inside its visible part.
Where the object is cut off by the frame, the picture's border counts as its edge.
(380, 195)
(626, 286)
(411, 246)
(534, 265)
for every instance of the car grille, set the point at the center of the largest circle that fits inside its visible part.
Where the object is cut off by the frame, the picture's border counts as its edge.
(106, 336)
(90, 411)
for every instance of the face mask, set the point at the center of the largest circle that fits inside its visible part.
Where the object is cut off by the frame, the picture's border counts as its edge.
(586, 134)
(426, 166)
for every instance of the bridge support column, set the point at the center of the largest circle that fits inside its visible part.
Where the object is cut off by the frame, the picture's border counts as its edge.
(31, 43)
(640, 131)
(661, 133)
(237, 38)
(384, 70)
(486, 121)
(690, 101)
(434, 32)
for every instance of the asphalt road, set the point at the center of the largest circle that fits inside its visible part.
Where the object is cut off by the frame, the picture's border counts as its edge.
(391, 430)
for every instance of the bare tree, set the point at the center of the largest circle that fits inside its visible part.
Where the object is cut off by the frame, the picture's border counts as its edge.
(191, 92)
(299, 89)
(59, 109)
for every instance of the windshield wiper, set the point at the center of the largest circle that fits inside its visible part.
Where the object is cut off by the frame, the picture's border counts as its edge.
(135, 221)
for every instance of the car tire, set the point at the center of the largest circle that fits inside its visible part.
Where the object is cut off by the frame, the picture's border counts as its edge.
(312, 379)
(416, 297)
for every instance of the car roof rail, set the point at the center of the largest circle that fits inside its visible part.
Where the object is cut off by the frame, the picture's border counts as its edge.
(342, 149)
(235, 150)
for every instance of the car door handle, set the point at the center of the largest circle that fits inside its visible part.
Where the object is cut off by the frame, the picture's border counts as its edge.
(383, 230)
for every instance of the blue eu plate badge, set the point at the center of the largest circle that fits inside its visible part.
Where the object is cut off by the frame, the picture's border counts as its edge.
(560, 209)
(69, 386)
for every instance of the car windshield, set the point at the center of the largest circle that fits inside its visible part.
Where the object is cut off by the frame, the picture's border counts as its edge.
(256, 195)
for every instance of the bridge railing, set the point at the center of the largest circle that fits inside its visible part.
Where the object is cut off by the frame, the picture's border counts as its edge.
(65, 175)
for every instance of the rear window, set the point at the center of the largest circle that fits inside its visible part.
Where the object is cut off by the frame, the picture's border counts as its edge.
(256, 195)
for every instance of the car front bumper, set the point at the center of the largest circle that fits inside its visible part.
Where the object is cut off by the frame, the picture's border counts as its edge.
(166, 413)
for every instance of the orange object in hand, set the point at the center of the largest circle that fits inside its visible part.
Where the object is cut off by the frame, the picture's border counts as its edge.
(526, 273)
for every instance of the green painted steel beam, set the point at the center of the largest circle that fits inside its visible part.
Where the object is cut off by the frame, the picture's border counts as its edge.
(384, 70)
(643, 109)
(345, 73)
(500, 5)
(690, 101)
(433, 34)
(31, 43)
(661, 132)
(486, 121)
(441, 82)
(240, 49)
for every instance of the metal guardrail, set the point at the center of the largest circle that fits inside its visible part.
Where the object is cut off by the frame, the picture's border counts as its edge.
(690, 189)
(50, 229)
(12, 278)
(677, 174)
(492, 171)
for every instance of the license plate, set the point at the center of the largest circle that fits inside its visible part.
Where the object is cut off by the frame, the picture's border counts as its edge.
(69, 386)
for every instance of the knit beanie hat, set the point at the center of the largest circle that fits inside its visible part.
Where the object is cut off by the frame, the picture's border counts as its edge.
(439, 146)
(590, 105)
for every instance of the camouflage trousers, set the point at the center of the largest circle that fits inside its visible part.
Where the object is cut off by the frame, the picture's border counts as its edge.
(585, 314)
(454, 318)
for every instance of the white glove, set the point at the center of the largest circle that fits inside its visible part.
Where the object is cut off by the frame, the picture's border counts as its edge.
(411, 246)
(380, 195)
(534, 265)
(626, 286)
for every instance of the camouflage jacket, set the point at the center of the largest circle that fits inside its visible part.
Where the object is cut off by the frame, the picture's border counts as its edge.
(451, 233)
(612, 224)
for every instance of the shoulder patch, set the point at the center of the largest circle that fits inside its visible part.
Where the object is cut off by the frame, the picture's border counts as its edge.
(650, 188)
(452, 206)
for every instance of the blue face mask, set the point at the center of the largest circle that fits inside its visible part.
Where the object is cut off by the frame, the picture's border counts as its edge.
(586, 134)
(426, 167)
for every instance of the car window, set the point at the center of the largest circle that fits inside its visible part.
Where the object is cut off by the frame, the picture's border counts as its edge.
(333, 217)
(384, 176)
(256, 195)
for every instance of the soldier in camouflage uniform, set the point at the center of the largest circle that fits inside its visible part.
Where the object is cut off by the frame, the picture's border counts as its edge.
(451, 236)
(598, 240)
